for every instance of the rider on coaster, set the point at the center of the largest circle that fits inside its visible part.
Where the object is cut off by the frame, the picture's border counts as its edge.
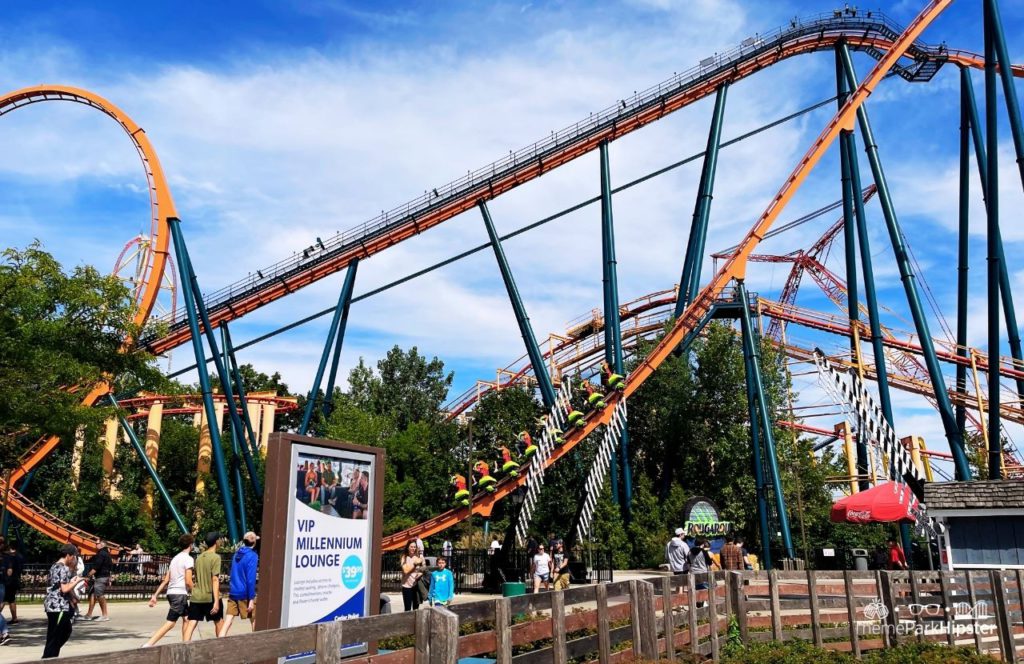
(613, 380)
(508, 464)
(526, 445)
(483, 476)
(557, 435)
(461, 495)
(594, 398)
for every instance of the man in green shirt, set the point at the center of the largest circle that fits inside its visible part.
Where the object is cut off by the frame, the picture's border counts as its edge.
(206, 604)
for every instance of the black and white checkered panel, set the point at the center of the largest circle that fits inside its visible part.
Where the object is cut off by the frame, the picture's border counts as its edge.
(557, 418)
(599, 469)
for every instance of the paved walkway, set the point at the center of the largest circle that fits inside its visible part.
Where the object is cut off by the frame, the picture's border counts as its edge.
(132, 623)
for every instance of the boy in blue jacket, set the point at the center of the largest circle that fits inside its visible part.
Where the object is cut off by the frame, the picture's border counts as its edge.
(242, 593)
(442, 584)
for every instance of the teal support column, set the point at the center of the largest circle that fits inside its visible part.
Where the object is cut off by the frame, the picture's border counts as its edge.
(540, 371)
(1006, 293)
(689, 281)
(237, 442)
(222, 371)
(998, 37)
(849, 145)
(236, 376)
(343, 300)
(963, 247)
(956, 441)
(850, 246)
(755, 445)
(204, 381)
(612, 324)
(346, 291)
(150, 470)
(995, 437)
(770, 455)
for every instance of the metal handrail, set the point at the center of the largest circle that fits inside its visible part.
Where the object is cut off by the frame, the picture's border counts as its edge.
(821, 24)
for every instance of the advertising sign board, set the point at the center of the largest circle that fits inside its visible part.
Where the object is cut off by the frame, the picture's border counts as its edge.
(320, 558)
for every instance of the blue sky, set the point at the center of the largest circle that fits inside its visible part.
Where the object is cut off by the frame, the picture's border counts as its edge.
(280, 122)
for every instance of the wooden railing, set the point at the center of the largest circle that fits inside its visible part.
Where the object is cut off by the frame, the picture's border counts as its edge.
(658, 617)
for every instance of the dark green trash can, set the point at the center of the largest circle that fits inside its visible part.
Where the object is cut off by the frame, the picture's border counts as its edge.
(513, 589)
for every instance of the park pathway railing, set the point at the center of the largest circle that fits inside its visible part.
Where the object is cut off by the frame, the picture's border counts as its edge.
(661, 617)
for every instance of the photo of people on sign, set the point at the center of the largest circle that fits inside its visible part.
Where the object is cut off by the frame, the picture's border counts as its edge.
(335, 487)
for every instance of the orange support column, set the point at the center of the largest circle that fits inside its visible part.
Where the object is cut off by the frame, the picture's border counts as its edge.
(76, 457)
(153, 425)
(266, 426)
(109, 454)
(206, 448)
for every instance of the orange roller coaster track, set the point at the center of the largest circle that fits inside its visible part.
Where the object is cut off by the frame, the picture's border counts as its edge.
(161, 208)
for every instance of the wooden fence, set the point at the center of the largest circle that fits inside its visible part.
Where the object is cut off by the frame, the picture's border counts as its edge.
(658, 617)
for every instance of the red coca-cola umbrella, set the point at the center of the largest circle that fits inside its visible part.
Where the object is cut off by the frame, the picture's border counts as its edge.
(883, 503)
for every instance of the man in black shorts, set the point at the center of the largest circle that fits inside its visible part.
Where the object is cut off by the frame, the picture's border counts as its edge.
(179, 582)
(102, 564)
(206, 603)
(13, 565)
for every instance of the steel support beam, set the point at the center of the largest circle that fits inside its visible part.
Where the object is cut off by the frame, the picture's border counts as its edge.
(850, 246)
(204, 379)
(332, 375)
(340, 312)
(236, 376)
(767, 424)
(755, 445)
(237, 442)
(141, 451)
(612, 324)
(689, 281)
(963, 245)
(995, 438)
(540, 371)
(1006, 293)
(1009, 87)
(956, 441)
(222, 370)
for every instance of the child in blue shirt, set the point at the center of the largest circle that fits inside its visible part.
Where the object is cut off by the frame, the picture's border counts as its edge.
(442, 584)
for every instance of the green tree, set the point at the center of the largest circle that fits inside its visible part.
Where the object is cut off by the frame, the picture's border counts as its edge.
(59, 332)
(407, 387)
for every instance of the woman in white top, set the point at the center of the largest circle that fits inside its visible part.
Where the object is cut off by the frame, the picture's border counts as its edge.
(540, 569)
(412, 569)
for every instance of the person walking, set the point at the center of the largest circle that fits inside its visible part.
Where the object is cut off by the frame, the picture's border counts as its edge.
(540, 569)
(242, 591)
(179, 581)
(102, 564)
(13, 567)
(58, 601)
(677, 553)
(447, 548)
(206, 604)
(442, 584)
(560, 571)
(732, 555)
(701, 562)
(412, 570)
(495, 546)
